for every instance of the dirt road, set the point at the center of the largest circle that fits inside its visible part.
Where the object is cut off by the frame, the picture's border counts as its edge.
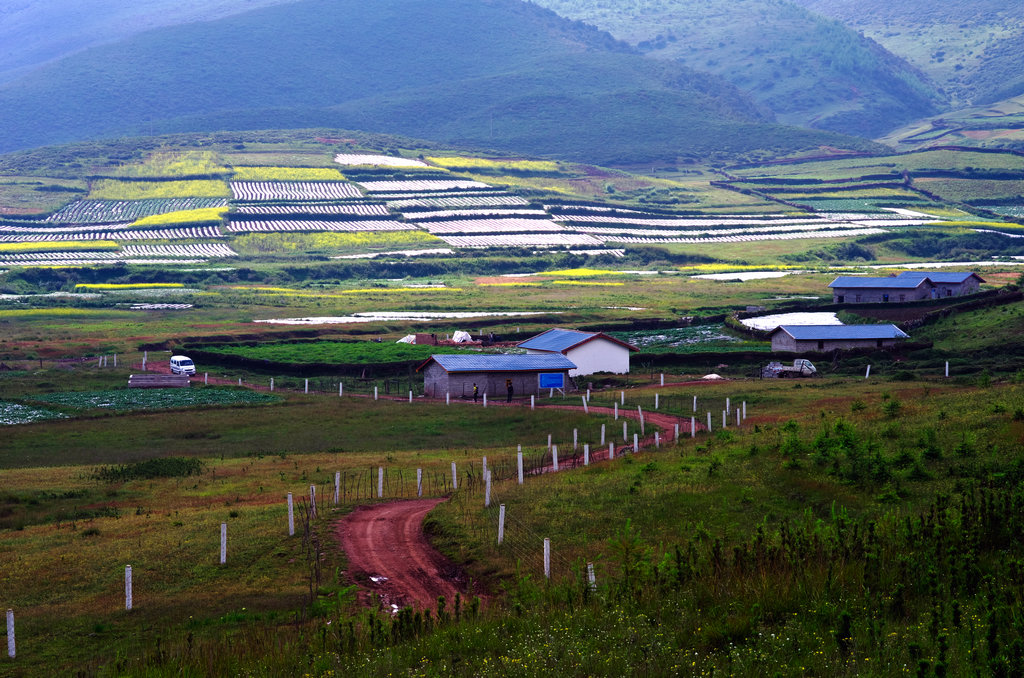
(390, 556)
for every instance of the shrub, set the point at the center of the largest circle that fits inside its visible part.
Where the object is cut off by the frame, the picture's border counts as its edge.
(167, 467)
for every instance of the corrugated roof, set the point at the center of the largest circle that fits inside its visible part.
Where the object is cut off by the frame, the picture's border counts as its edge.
(841, 332)
(558, 340)
(501, 363)
(859, 281)
(944, 277)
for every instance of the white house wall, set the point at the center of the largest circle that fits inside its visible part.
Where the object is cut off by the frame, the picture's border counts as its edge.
(599, 355)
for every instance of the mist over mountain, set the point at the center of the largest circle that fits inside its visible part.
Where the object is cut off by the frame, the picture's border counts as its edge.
(502, 73)
(807, 69)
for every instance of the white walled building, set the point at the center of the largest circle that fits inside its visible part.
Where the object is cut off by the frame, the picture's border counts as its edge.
(592, 352)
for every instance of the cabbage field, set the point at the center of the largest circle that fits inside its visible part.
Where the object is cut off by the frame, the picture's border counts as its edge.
(127, 400)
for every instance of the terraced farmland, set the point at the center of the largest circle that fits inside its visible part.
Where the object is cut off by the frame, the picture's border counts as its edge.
(294, 209)
(454, 201)
(377, 160)
(262, 191)
(422, 185)
(113, 211)
(285, 225)
(493, 226)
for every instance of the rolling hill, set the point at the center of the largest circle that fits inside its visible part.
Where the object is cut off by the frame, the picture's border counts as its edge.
(502, 73)
(974, 49)
(806, 69)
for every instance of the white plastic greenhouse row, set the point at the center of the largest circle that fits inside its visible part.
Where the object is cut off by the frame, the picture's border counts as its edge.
(415, 186)
(89, 262)
(293, 190)
(746, 238)
(753, 230)
(472, 213)
(196, 250)
(522, 240)
(314, 225)
(493, 226)
(377, 160)
(362, 209)
(86, 211)
(686, 222)
(60, 256)
(193, 233)
(459, 201)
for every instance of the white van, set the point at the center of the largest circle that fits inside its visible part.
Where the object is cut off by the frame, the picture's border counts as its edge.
(181, 364)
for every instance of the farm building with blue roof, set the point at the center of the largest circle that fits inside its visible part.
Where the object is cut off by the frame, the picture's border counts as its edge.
(820, 338)
(907, 286)
(591, 351)
(456, 374)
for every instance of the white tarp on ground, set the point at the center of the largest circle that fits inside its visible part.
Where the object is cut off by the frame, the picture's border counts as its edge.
(713, 376)
(460, 337)
(407, 339)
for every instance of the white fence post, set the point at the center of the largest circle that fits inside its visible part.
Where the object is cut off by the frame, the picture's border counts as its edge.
(10, 633)
(291, 516)
(410, 397)
(419, 482)
(709, 422)
(725, 422)
(549, 442)
(738, 417)
(239, 381)
(115, 360)
(622, 397)
(223, 543)
(128, 587)
(455, 477)
(341, 389)
(616, 406)
(533, 402)
(744, 409)
(501, 523)
(520, 462)
(611, 450)
(662, 378)
(693, 427)
(586, 409)
(575, 438)
(727, 406)
(625, 430)
(271, 383)
(677, 432)
(636, 443)
(312, 500)
(640, 414)
(554, 457)
(590, 577)
(485, 463)
(602, 434)
(657, 441)
(487, 489)
(656, 400)
(947, 367)
(586, 454)
(374, 392)
(206, 378)
(447, 398)
(145, 359)
(867, 372)
(380, 482)
(337, 487)
(694, 403)
(547, 558)
(485, 400)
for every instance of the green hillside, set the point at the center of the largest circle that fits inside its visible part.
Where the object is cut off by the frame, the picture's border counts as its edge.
(506, 74)
(806, 69)
(973, 49)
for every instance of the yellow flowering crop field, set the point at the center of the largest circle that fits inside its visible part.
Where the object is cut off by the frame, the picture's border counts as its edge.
(126, 286)
(112, 189)
(61, 246)
(485, 163)
(287, 174)
(201, 215)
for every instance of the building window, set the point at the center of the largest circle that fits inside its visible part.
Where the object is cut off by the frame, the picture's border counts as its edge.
(841, 298)
(949, 292)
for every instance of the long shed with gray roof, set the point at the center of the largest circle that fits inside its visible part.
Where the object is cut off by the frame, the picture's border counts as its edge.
(456, 374)
(907, 286)
(819, 338)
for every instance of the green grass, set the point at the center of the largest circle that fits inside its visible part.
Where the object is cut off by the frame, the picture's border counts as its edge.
(126, 400)
(338, 353)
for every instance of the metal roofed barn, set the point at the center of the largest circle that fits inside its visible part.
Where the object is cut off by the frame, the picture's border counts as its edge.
(907, 286)
(528, 374)
(591, 351)
(818, 338)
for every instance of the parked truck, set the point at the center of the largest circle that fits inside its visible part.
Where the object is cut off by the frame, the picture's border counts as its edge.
(801, 367)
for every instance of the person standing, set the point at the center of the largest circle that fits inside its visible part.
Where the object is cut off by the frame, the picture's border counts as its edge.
(476, 392)
(508, 385)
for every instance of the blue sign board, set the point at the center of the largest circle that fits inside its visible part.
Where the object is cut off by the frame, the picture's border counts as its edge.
(552, 379)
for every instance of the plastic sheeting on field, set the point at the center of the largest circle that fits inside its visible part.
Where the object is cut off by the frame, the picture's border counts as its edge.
(460, 337)
(407, 339)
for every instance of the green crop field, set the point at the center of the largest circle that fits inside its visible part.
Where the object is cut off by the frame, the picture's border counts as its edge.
(849, 526)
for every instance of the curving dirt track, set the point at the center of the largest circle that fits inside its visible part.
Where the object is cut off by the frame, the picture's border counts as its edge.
(389, 555)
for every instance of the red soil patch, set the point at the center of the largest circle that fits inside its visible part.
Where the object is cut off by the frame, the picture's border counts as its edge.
(389, 555)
